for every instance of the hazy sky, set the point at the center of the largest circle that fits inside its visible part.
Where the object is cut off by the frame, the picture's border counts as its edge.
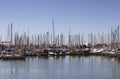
(81, 15)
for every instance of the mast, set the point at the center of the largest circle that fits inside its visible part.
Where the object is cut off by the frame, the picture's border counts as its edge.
(69, 40)
(118, 34)
(11, 33)
(47, 38)
(28, 38)
(53, 31)
(0, 39)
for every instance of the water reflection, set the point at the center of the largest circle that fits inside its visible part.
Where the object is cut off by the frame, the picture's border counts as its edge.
(68, 67)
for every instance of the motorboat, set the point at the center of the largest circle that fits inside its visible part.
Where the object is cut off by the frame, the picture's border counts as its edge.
(15, 56)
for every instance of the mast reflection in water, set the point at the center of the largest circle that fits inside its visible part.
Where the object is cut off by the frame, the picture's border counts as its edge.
(69, 67)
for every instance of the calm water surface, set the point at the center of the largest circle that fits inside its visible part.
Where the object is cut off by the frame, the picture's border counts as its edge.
(91, 67)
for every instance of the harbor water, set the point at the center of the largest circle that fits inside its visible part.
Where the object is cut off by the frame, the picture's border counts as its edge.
(68, 67)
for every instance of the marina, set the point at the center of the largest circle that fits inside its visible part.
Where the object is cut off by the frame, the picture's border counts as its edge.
(59, 39)
(21, 46)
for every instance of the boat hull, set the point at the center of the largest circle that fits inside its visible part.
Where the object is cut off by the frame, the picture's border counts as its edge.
(13, 57)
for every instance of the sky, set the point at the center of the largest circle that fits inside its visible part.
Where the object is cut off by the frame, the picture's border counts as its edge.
(82, 16)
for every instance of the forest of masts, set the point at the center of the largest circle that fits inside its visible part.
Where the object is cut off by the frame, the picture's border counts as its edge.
(48, 39)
